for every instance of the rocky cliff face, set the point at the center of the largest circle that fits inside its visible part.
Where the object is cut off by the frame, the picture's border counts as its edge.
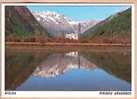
(20, 22)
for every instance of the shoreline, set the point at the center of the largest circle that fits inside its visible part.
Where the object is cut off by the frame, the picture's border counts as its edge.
(68, 44)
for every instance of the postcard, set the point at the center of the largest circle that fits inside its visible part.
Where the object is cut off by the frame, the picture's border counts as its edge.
(68, 50)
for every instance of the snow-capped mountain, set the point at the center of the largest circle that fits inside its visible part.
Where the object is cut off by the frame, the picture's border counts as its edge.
(58, 25)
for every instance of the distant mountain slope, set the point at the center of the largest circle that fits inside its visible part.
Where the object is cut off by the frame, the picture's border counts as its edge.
(20, 22)
(116, 28)
(58, 25)
(85, 25)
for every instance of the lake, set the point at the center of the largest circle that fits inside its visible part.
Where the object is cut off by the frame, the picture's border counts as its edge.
(87, 69)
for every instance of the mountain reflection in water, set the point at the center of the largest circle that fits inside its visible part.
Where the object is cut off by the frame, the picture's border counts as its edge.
(68, 71)
(57, 64)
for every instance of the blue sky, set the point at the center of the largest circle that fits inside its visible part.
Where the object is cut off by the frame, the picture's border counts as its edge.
(78, 13)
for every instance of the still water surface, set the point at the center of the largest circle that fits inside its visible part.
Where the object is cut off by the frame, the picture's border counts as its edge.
(68, 71)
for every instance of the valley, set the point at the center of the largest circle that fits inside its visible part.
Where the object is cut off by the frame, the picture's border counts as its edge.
(68, 48)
